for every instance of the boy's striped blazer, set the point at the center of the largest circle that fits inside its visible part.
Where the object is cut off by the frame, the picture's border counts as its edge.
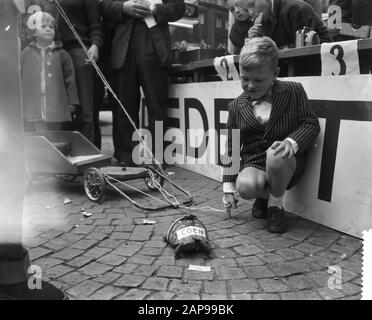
(291, 117)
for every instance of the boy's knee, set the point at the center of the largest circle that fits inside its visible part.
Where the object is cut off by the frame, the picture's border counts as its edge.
(249, 187)
(275, 162)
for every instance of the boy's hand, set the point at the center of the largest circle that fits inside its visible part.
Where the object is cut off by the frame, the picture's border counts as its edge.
(284, 147)
(255, 31)
(72, 108)
(136, 9)
(93, 53)
(229, 200)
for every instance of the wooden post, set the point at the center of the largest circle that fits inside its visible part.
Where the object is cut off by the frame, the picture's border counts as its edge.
(12, 160)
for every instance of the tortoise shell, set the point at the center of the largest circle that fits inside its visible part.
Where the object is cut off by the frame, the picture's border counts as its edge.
(186, 230)
(188, 234)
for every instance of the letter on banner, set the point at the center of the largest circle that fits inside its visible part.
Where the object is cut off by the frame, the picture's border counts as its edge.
(340, 58)
(226, 69)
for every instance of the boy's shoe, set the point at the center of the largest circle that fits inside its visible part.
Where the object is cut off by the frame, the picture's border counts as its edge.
(276, 221)
(259, 208)
(21, 291)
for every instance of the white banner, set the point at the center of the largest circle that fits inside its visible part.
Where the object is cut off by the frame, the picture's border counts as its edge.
(336, 189)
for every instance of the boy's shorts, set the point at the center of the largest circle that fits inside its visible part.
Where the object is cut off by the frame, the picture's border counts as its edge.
(300, 169)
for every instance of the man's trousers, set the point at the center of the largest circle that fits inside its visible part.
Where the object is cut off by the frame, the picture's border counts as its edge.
(141, 69)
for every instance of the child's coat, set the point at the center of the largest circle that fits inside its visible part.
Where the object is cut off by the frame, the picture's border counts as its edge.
(48, 83)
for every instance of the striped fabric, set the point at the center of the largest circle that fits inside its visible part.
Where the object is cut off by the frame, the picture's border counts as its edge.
(291, 117)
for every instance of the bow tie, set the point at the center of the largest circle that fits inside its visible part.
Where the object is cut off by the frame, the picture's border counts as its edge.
(267, 97)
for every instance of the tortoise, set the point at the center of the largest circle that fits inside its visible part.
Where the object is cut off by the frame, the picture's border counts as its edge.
(188, 235)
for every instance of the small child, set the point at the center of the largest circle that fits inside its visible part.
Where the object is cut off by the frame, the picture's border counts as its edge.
(277, 127)
(48, 79)
(243, 22)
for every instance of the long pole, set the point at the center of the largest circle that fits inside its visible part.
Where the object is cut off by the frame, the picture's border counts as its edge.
(12, 159)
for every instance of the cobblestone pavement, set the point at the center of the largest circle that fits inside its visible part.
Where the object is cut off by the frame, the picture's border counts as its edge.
(113, 255)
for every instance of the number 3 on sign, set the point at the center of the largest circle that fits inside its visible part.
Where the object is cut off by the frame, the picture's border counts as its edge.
(339, 59)
(226, 69)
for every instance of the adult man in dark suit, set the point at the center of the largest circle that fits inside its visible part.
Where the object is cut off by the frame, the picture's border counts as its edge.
(316, 5)
(140, 56)
(277, 126)
(282, 18)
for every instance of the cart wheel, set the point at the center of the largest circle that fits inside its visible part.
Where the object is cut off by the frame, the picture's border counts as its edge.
(158, 178)
(67, 177)
(94, 184)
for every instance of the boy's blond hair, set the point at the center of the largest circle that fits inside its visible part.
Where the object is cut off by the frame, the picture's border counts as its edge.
(36, 20)
(240, 3)
(257, 52)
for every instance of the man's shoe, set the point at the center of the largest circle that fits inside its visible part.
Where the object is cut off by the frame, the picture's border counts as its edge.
(125, 163)
(259, 208)
(124, 159)
(21, 291)
(276, 221)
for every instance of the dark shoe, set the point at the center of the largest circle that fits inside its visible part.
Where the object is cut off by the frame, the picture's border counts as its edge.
(259, 208)
(21, 291)
(126, 164)
(276, 221)
(123, 156)
(124, 161)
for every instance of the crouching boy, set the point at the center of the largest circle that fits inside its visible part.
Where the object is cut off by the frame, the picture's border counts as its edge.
(277, 126)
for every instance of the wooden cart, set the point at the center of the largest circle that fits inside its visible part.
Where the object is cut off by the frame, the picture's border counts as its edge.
(64, 153)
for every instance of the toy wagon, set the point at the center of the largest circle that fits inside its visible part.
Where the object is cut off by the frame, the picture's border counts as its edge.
(63, 153)
(69, 154)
